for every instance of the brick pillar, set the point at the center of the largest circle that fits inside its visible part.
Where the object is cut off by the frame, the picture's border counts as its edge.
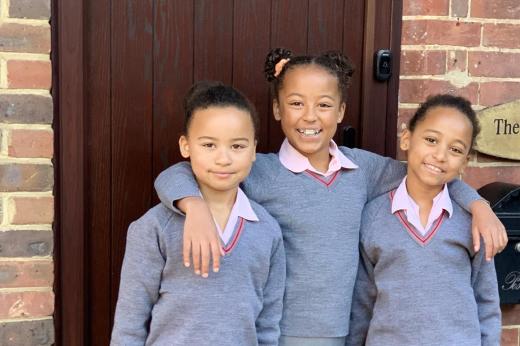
(470, 48)
(26, 174)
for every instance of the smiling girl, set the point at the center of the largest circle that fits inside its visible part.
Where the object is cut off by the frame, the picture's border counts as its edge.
(160, 303)
(420, 282)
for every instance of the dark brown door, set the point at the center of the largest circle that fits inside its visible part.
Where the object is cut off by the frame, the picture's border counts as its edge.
(122, 69)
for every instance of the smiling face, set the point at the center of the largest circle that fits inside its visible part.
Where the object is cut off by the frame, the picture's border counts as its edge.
(309, 106)
(438, 148)
(221, 146)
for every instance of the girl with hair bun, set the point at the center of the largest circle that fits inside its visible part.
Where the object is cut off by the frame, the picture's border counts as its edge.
(162, 303)
(316, 191)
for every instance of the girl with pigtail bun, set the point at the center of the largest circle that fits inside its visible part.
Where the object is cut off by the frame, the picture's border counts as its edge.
(316, 191)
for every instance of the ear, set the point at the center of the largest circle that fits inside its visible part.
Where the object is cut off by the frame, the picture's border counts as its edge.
(276, 110)
(342, 109)
(253, 159)
(184, 147)
(404, 142)
(466, 161)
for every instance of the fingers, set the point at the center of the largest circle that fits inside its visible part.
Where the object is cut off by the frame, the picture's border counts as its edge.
(503, 239)
(215, 252)
(476, 238)
(195, 249)
(205, 253)
(186, 251)
(489, 245)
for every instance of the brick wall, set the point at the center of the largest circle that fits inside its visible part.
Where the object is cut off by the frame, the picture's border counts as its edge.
(470, 48)
(26, 174)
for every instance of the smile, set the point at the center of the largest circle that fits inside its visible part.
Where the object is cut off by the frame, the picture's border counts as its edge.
(433, 168)
(309, 132)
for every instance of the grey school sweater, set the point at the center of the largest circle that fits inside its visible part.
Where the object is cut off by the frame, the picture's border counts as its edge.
(320, 222)
(438, 293)
(163, 303)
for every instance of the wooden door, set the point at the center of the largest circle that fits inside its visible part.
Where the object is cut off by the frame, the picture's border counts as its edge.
(122, 68)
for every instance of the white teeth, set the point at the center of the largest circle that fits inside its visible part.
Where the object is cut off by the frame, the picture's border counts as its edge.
(309, 132)
(433, 168)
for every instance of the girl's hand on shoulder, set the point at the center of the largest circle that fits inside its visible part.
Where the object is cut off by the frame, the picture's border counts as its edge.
(200, 238)
(486, 224)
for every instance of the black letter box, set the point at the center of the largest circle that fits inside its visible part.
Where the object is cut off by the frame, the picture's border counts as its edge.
(505, 201)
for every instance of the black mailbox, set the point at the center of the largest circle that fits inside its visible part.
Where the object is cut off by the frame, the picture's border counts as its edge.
(505, 202)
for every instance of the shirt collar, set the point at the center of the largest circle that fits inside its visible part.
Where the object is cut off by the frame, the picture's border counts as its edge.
(402, 200)
(294, 161)
(242, 207)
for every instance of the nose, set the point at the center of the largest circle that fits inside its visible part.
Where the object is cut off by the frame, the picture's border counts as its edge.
(309, 114)
(440, 153)
(223, 157)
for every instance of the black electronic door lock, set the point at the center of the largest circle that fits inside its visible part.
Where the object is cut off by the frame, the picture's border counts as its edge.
(383, 65)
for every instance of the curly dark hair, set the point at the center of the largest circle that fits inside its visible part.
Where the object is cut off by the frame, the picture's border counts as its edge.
(336, 63)
(205, 94)
(446, 100)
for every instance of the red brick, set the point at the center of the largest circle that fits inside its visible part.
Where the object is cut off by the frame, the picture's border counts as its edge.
(425, 7)
(457, 60)
(495, 93)
(40, 333)
(510, 314)
(499, 9)
(25, 243)
(24, 74)
(509, 337)
(416, 91)
(441, 32)
(480, 176)
(33, 210)
(26, 109)
(31, 143)
(26, 274)
(26, 177)
(25, 38)
(26, 304)
(494, 64)
(501, 35)
(485, 158)
(32, 9)
(423, 62)
(459, 8)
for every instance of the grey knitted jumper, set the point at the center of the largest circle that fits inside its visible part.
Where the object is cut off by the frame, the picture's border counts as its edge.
(320, 219)
(163, 303)
(437, 293)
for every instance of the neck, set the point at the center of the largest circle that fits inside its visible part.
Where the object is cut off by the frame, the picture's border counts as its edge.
(320, 161)
(219, 203)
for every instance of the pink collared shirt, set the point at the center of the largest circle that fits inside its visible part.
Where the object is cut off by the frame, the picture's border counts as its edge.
(403, 201)
(294, 161)
(242, 208)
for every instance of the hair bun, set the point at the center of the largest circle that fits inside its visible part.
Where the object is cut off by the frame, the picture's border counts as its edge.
(344, 65)
(273, 57)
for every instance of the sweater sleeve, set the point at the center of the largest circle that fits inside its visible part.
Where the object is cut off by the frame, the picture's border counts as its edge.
(363, 301)
(383, 173)
(176, 183)
(268, 321)
(463, 194)
(140, 282)
(485, 288)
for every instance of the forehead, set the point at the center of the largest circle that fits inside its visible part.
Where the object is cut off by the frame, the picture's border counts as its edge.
(221, 119)
(309, 78)
(448, 121)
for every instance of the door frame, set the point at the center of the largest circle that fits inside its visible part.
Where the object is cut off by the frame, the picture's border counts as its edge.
(68, 34)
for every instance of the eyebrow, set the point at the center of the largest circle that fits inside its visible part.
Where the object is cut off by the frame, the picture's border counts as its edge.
(234, 139)
(300, 95)
(457, 140)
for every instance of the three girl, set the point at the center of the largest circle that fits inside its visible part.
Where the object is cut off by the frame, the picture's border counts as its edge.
(160, 302)
(420, 282)
(315, 190)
